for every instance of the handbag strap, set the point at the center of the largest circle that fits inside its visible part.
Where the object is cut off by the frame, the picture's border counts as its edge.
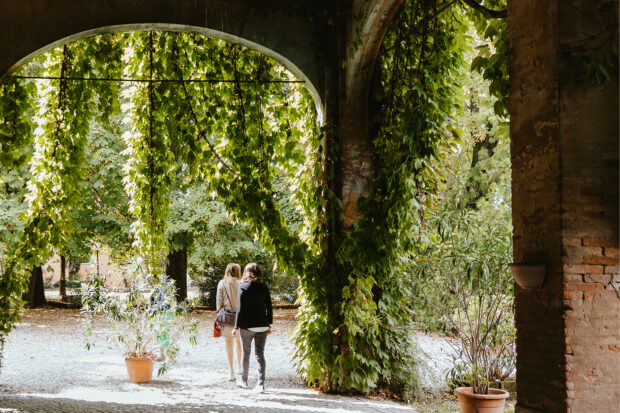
(228, 296)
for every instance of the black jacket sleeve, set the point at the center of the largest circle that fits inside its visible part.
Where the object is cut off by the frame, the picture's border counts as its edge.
(268, 306)
(239, 294)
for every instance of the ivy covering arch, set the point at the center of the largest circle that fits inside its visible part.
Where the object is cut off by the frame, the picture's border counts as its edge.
(223, 113)
(236, 120)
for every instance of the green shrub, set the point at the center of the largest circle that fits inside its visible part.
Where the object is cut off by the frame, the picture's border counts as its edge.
(208, 274)
(207, 283)
(68, 283)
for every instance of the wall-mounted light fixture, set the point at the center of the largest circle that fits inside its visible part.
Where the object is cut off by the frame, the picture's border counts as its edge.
(528, 276)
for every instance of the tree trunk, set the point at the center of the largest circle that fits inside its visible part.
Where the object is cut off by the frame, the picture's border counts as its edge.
(73, 269)
(176, 270)
(62, 284)
(474, 190)
(35, 296)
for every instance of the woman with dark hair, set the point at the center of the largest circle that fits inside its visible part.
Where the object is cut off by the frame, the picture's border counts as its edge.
(254, 317)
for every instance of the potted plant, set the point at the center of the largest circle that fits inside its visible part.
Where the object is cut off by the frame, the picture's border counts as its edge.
(484, 345)
(145, 320)
(467, 263)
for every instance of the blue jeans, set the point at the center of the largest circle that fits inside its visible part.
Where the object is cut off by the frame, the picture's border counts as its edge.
(259, 350)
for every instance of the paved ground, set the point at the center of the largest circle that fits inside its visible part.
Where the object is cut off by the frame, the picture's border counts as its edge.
(47, 369)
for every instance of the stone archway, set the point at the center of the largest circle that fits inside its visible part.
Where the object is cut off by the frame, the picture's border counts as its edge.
(258, 26)
(564, 149)
(309, 37)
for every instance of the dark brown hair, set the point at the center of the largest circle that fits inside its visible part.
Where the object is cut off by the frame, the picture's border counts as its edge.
(251, 273)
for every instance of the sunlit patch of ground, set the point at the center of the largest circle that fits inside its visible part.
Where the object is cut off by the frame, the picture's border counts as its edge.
(47, 368)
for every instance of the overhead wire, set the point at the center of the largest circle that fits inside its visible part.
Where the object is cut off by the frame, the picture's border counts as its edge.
(102, 79)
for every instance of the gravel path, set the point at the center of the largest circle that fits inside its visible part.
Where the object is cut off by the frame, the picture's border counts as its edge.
(437, 359)
(47, 369)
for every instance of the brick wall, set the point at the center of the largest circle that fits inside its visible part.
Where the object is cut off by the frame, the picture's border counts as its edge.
(589, 158)
(537, 219)
(51, 269)
(565, 206)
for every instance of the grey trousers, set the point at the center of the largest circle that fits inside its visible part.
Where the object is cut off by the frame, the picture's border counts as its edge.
(259, 350)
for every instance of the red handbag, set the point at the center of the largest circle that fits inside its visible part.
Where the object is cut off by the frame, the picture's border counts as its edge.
(217, 330)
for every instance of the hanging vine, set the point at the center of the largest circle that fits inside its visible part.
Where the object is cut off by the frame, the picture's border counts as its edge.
(241, 127)
(366, 344)
(56, 165)
(151, 165)
(16, 103)
(249, 146)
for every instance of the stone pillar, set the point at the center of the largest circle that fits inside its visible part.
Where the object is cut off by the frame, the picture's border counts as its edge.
(565, 205)
(369, 25)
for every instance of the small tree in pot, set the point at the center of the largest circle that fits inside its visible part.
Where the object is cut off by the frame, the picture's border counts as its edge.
(142, 320)
(485, 339)
(467, 264)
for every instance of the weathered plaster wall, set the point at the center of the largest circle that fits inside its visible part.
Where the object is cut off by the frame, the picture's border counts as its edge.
(370, 21)
(565, 206)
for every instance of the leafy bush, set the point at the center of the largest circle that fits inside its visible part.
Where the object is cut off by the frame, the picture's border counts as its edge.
(465, 267)
(290, 298)
(406, 374)
(211, 255)
(280, 285)
(68, 284)
(207, 283)
(141, 323)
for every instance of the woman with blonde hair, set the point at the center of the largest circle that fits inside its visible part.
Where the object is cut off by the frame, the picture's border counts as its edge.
(226, 298)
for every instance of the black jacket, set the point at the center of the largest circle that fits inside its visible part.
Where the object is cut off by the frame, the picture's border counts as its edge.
(253, 306)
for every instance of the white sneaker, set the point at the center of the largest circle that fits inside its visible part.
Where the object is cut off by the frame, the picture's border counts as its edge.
(231, 375)
(260, 388)
(241, 383)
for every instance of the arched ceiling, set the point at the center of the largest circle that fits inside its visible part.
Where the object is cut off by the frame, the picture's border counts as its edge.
(281, 29)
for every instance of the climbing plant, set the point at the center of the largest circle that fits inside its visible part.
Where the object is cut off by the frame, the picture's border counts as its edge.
(196, 107)
(228, 116)
(355, 321)
(65, 108)
(151, 165)
(15, 121)
(492, 51)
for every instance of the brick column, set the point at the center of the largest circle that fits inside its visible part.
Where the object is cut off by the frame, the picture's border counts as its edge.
(565, 205)
(589, 157)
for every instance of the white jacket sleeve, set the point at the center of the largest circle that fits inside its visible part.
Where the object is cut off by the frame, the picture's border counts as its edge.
(219, 296)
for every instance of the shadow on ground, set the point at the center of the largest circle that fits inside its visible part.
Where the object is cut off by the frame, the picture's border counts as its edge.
(274, 400)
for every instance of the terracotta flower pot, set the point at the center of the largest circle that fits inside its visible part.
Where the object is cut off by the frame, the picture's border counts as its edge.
(140, 369)
(481, 403)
